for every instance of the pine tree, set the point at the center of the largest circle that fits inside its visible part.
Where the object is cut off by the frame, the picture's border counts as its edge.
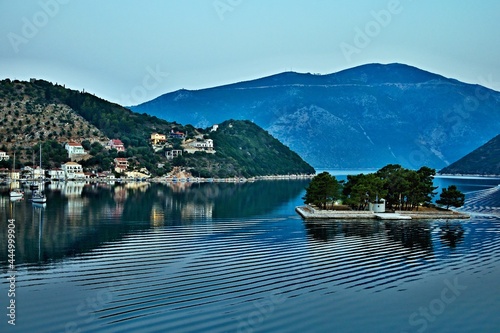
(451, 197)
(322, 189)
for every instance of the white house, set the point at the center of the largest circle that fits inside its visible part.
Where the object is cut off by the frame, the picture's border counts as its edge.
(57, 173)
(73, 170)
(38, 173)
(3, 156)
(171, 154)
(206, 146)
(74, 149)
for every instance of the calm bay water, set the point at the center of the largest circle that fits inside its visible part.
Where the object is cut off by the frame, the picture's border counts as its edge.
(237, 258)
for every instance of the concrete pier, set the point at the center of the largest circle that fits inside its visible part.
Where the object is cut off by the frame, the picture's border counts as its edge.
(308, 212)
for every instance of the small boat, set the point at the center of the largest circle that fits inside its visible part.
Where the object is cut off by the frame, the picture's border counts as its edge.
(16, 193)
(38, 197)
(15, 199)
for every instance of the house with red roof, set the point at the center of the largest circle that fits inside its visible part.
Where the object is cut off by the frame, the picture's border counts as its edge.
(116, 144)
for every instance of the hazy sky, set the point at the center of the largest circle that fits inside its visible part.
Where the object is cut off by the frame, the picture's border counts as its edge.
(131, 51)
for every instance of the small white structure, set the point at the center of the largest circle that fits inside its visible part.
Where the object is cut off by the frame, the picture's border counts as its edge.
(171, 154)
(377, 207)
(3, 156)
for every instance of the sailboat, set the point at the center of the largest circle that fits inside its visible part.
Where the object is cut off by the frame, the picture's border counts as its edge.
(38, 197)
(15, 193)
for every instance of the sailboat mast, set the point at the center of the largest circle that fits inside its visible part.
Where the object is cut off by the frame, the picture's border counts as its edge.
(40, 165)
(13, 168)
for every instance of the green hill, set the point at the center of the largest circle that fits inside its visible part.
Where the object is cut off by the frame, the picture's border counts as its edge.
(39, 111)
(245, 149)
(485, 160)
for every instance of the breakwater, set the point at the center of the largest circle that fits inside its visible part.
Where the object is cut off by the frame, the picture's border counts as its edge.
(308, 212)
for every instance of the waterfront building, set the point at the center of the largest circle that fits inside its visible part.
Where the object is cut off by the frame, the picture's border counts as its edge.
(121, 164)
(73, 170)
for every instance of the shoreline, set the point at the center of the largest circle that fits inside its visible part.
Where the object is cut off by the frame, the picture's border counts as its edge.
(307, 212)
(470, 176)
(169, 179)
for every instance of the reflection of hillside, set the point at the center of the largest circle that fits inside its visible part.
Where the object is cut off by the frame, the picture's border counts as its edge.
(187, 201)
(102, 213)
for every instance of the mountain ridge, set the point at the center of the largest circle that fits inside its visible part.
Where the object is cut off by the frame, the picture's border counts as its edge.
(296, 75)
(368, 108)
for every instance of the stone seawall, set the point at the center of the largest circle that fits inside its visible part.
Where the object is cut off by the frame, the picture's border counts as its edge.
(308, 212)
(434, 215)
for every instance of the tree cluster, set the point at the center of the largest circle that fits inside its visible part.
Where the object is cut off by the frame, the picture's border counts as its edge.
(403, 189)
(451, 196)
(324, 189)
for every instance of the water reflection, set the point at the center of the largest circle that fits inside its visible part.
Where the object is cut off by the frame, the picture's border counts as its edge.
(413, 235)
(80, 217)
(452, 233)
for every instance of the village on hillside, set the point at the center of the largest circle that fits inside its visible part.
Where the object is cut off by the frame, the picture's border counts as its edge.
(122, 168)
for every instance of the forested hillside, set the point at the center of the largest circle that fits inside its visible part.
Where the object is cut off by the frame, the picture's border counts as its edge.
(41, 112)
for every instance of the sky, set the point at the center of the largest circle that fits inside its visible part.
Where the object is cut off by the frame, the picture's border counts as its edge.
(130, 52)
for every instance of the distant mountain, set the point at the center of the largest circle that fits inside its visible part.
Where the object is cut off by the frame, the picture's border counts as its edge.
(485, 160)
(364, 117)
